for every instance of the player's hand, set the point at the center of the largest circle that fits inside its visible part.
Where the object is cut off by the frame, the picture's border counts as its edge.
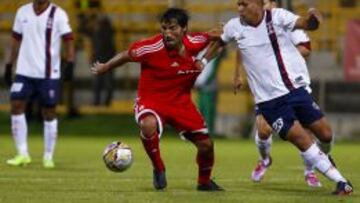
(237, 83)
(215, 33)
(99, 68)
(314, 19)
(316, 13)
(199, 65)
(8, 74)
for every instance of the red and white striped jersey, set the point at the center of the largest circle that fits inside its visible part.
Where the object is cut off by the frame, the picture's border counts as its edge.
(165, 75)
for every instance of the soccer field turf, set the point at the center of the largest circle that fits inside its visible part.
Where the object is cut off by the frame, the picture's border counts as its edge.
(80, 175)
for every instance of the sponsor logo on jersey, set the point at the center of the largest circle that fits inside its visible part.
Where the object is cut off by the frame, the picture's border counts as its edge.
(186, 72)
(175, 64)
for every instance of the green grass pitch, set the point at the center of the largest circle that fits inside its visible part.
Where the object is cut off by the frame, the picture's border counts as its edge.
(80, 175)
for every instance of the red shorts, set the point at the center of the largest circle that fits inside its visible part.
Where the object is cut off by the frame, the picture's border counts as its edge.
(185, 118)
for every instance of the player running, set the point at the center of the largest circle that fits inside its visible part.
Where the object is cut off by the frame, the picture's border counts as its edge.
(166, 78)
(278, 78)
(263, 134)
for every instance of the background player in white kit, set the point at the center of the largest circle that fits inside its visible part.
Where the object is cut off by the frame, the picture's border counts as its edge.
(278, 78)
(263, 133)
(38, 30)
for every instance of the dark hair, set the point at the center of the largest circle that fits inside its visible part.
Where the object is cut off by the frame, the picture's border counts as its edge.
(180, 15)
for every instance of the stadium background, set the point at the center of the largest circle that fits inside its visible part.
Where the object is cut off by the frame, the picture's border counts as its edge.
(80, 175)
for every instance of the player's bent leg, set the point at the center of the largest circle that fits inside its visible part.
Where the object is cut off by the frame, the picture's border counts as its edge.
(263, 137)
(310, 176)
(150, 139)
(322, 130)
(263, 140)
(19, 132)
(205, 161)
(312, 153)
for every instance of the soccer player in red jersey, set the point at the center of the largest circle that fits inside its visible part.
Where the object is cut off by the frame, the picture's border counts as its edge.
(166, 78)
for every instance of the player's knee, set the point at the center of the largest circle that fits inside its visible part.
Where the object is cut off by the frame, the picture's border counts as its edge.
(326, 134)
(264, 132)
(148, 125)
(49, 114)
(205, 145)
(17, 107)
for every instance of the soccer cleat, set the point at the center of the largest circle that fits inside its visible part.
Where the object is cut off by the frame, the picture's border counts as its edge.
(48, 163)
(260, 169)
(210, 187)
(19, 160)
(343, 188)
(312, 180)
(159, 180)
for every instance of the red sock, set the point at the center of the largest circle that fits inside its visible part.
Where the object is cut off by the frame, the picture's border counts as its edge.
(152, 149)
(205, 162)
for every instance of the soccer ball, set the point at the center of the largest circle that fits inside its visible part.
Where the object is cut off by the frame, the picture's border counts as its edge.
(118, 156)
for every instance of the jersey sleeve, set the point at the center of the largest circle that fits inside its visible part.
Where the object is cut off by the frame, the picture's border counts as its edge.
(63, 25)
(228, 32)
(17, 27)
(286, 18)
(146, 49)
(198, 41)
(136, 53)
(299, 36)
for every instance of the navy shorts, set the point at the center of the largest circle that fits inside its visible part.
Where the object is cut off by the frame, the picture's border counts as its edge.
(45, 90)
(281, 112)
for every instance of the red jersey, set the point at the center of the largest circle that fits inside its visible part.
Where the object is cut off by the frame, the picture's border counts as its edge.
(165, 75)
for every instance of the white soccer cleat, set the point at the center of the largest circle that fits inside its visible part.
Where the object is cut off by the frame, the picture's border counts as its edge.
(260, 169)
(312, 180)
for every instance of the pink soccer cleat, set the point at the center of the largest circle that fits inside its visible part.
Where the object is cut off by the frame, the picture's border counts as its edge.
(312, 180)
(260, 169)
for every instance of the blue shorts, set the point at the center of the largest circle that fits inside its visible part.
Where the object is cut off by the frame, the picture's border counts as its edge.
(46, 90)
(281, 112)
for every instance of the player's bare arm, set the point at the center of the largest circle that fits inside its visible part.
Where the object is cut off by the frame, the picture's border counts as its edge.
(118, 60)
(304, 51)
(237, 80)
(215, 33)
(70, 57)
(214, 49)
(69, 50)
(15, 45)
(311, 22)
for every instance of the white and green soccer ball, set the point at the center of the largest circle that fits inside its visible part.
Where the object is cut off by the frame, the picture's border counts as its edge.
(118, 156)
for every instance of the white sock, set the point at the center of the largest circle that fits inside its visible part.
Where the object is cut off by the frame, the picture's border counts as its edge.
(325, 146)
(321, 161)
(264, 146)
(50, 135)
(19, 132)
(309, 168)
